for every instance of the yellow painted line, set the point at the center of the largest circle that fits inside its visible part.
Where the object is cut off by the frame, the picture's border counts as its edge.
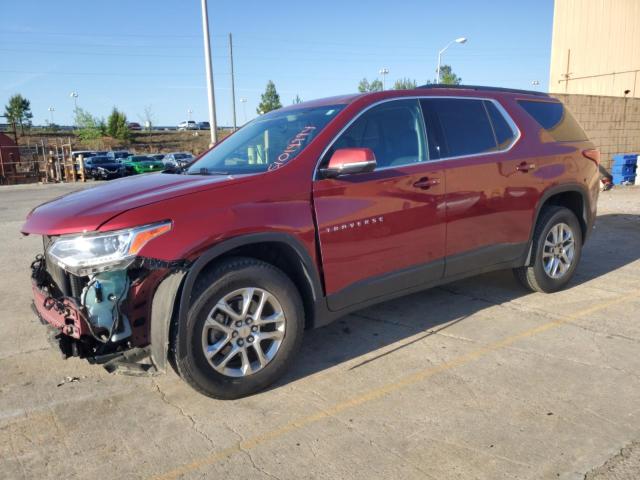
(377, 393)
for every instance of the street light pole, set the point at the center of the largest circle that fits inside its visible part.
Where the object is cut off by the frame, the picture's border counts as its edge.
(51, 110)
(74, 95)
(460, 40)
(384, 71)
(189, 112)
(209, 73)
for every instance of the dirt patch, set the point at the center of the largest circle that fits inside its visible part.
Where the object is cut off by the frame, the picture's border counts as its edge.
(623, 466)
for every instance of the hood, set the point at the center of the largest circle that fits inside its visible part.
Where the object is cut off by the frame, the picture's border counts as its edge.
(86, 210)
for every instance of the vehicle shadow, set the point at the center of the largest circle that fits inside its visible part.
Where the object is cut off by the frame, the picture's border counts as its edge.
(612, 245)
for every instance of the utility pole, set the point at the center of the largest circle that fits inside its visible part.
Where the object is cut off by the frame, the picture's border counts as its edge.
(233, 85)
(384, 71)
(209, 73)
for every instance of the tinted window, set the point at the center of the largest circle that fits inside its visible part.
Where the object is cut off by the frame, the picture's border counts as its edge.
(502, 130)
(463, 126)
(392, 130)
(555, 119)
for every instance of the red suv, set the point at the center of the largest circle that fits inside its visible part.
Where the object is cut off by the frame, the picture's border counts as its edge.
(305, 214)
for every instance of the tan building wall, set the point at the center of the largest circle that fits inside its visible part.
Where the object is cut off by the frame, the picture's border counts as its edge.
(612, 123)
(596, 45)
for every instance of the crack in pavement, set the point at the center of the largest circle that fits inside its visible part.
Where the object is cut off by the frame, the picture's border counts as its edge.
(194, 424)
(248, 452)
(370, 440)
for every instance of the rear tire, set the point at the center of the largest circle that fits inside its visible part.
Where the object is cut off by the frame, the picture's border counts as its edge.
(555, 252)
(243, 329)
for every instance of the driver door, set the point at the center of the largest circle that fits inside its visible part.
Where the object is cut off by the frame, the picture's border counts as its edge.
(382, 232)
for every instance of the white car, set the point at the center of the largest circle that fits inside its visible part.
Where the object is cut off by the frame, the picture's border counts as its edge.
(188, 125)
(177, 159)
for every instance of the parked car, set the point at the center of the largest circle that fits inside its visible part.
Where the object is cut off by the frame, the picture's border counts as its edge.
(188, 125)
(84, 153)
(177, 159)
(204, 126)
(306, 214)
(120, 155)
(134, 126)
(104, 168)
(142, 164)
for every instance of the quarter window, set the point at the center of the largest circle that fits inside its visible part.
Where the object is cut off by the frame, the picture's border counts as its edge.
(555, 119)
(465, 126)
(394, 131)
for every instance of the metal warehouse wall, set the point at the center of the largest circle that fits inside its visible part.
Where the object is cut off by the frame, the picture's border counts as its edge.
(596, 45)
(612, 123)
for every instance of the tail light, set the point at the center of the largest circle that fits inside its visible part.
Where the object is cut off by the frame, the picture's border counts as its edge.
(592, 154)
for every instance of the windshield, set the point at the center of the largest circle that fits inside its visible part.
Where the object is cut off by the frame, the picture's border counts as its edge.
(267, 143)
(100, 160)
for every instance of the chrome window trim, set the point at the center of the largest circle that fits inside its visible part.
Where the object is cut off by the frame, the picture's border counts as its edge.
(498, 105)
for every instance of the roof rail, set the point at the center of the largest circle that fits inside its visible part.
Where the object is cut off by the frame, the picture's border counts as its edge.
(484, 88)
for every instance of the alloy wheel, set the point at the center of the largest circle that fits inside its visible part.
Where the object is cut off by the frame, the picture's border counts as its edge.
(243, 332)
(558, 251)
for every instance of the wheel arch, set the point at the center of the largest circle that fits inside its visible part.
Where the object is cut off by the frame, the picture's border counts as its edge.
(572, 196)
(282, 250)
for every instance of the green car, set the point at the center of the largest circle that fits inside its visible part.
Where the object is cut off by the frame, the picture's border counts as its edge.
(142, 164)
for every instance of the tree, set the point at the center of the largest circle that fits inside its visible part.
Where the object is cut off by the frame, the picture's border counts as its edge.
(270, 100)
(364, 86)
(18, 111)
(404, 84)
(117, 126)
(297, 99)
(447, 77)
(89, 127)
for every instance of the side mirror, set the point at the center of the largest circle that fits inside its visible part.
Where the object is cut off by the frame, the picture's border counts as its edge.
(346, 161)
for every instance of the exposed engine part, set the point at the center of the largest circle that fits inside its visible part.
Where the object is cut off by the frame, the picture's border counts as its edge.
(102, 298)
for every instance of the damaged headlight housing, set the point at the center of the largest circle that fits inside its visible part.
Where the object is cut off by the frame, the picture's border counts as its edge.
(91, 253)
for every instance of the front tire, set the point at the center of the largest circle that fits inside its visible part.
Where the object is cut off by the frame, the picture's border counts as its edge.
(555, 252)
(243, 329)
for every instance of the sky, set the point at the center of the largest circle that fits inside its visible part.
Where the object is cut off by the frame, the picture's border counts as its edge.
(149, 54)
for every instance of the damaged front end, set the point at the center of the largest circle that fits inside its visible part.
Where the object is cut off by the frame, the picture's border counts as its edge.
(96, 293)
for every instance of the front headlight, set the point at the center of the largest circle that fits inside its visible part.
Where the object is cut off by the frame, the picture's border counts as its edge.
(98, 252)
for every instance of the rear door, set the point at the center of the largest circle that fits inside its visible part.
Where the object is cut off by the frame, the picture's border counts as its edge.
(491, 190)
(383, 231)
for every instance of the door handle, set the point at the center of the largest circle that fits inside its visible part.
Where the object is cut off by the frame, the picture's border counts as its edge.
(524, 167)
(426, 183)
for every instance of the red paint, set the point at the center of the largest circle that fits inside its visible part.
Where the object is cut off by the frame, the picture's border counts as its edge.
(428, 210)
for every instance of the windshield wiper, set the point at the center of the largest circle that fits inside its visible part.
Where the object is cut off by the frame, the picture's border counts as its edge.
(206, 171)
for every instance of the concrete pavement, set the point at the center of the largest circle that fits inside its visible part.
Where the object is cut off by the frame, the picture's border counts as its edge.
(476, 379)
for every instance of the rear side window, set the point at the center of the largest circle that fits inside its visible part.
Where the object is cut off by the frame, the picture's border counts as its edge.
(555, 119)
(466, 126)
